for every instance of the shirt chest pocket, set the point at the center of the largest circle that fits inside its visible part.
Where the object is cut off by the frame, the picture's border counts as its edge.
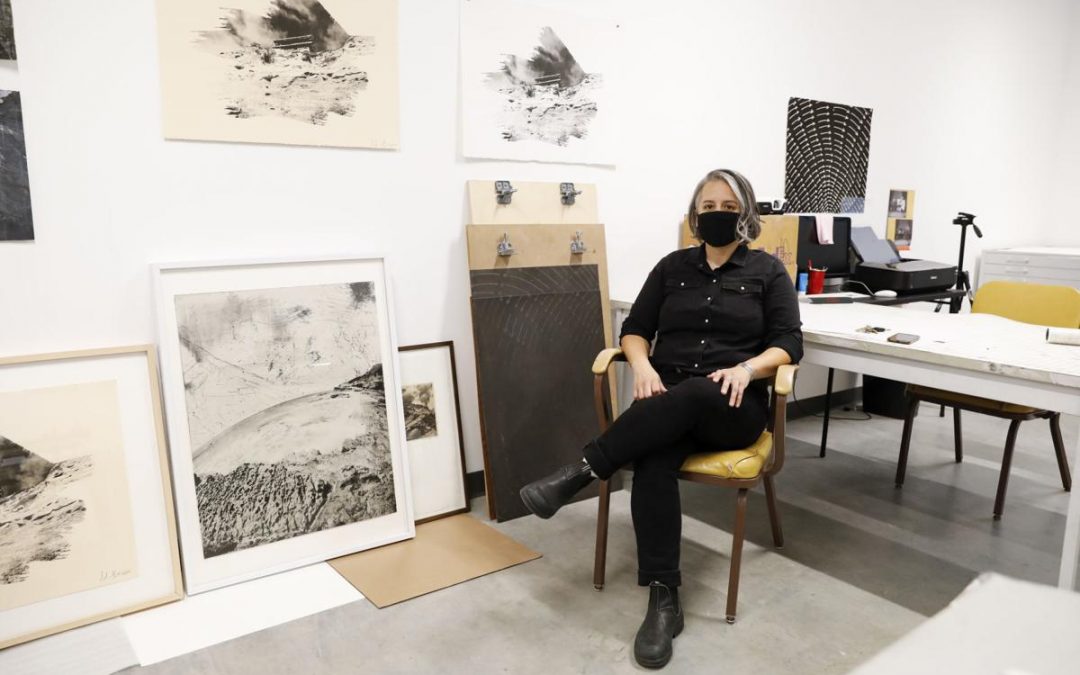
(742, 301)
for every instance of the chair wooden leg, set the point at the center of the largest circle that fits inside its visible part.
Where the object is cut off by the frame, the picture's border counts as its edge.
(736, 554)
(1006, 465)
(905, 441)
(1059, 451)
(600, 564)
(958, 438)
(774, 513)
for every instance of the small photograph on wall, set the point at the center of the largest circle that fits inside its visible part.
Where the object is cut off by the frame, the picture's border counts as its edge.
(285, 416)
(302, 72)
(86, 522)
(828, 154)
(7, 32)
(16, 216)
(433, 429)
(900, 222)
(537, 83)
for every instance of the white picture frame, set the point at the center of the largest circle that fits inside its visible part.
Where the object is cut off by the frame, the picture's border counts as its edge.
(264, 283)
(436, 446)
(146, 493)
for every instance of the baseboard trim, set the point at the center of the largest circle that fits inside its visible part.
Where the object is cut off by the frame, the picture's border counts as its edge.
(815, 405)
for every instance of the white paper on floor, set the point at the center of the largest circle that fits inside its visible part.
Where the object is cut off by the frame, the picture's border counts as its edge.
(98, 649)
(209, 618)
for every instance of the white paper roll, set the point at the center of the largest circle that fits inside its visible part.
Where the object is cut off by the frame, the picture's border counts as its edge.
(1063, 336)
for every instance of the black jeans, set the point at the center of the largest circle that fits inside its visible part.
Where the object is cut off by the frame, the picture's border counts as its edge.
(657, 434)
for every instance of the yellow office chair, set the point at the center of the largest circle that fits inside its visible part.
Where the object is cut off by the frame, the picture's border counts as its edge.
(741, 469)
(1040, 304)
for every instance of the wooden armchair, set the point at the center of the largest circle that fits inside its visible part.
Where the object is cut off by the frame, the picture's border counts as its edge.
(740, 469)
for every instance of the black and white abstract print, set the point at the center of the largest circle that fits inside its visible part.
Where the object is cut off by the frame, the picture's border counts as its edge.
(36, 510)
(286, 409)
(7, 32)
(293, 60)
(548, 95)
(418, 401)
(828, 153)
(16, 216)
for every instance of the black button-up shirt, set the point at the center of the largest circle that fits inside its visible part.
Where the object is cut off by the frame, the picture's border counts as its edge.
(706, 319)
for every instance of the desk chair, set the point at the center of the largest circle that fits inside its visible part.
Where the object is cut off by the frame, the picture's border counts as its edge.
(741, 469)
(1039, 304)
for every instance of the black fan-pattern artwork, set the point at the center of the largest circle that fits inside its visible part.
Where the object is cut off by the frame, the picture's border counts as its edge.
(828, 151)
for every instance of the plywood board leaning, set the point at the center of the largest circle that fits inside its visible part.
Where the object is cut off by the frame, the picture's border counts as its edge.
(532, 204)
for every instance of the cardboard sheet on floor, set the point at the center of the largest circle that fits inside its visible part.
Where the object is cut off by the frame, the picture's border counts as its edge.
(444, 552)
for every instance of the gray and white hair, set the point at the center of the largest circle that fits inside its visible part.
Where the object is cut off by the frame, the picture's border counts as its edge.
(749, 226)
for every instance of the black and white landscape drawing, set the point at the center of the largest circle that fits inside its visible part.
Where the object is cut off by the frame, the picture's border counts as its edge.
(286, 408)
(36, 513)
(16, 218)
(418, 401)
(828, 153)
(537, 83)
(548, 95)
(7, 32)
(293, 60)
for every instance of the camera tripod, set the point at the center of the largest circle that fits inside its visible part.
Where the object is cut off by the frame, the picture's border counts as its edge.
(963, 282)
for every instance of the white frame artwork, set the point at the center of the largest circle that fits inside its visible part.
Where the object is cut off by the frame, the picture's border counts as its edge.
(202, 573)
(155, 579)
(437, 462)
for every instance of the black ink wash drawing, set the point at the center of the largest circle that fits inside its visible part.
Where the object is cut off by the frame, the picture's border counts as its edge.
(828, 152)
(418, 401)
(286, 412)
(7, 32)
(549, 96)
(35, 513)
(16, 218)
(294, 61)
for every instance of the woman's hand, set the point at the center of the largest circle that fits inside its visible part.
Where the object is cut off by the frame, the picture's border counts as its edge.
(647, 382)
(734, 380)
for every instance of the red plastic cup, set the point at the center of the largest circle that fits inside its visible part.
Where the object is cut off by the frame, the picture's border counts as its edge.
(817, 281)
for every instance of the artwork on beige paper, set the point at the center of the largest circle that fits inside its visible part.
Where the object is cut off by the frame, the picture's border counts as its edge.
(301, 72)
(65, 519)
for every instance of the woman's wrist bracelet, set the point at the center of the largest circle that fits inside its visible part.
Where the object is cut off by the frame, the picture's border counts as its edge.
(749, 368)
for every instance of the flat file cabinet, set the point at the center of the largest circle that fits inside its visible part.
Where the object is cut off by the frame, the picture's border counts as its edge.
(1037, 265)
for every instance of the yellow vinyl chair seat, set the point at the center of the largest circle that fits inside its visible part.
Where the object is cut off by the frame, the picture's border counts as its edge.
(971, 402)
(745, 463)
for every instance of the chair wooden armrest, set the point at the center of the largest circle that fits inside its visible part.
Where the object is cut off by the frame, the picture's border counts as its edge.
(785, 379)
(605, 358)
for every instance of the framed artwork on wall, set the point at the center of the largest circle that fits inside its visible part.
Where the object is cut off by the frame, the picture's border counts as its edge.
(87, 529)
(429, 396)
(285, 425)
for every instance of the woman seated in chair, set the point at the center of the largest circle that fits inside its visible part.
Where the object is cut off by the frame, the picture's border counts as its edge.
(724, 318)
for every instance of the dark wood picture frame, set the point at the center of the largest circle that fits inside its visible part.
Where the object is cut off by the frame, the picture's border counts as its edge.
(449, 345)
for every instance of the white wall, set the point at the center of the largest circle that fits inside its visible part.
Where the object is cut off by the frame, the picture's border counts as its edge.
(965, 95)
(1065, 223)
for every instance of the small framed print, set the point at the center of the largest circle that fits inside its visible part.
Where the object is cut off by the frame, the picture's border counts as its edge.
(429, 397)
(87, 530)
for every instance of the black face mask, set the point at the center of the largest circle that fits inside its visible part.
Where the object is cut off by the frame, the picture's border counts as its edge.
(717, 228)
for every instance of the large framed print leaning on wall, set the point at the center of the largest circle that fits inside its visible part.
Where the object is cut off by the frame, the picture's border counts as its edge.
(429, 397)
(87, 530)
(285, 424)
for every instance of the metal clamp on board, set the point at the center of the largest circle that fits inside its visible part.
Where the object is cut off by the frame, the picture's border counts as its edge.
(569, 194)
(504, 247)
(503, 192)
(577, 244)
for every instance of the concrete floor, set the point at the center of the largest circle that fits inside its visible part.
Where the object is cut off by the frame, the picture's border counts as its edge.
(864, 563)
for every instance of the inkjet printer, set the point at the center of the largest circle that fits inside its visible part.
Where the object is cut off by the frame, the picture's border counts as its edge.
(880, 266)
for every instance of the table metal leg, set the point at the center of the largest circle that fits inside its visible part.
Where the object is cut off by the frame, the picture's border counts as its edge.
(828, 407)
(1070, 550)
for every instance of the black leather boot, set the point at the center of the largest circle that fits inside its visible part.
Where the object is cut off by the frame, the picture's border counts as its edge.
(664, 620)
(546, 496)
